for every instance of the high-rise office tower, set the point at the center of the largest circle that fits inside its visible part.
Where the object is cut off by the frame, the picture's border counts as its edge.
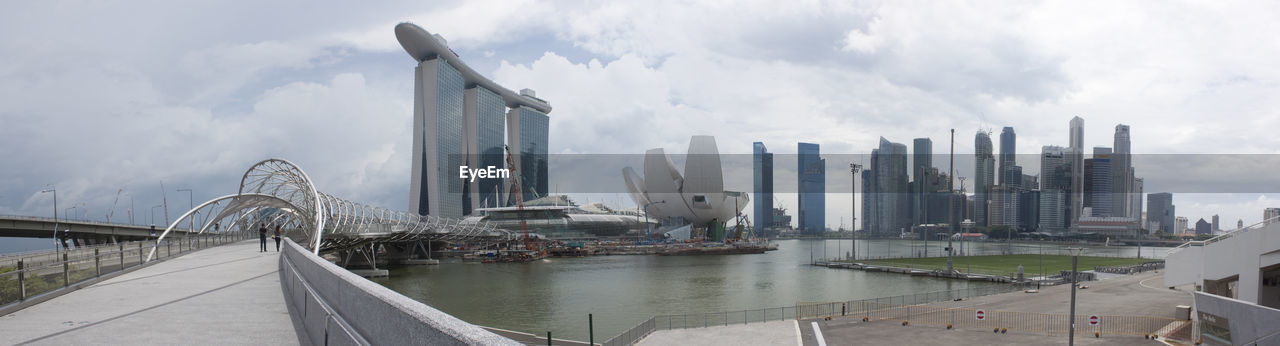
(1099, 178)
(1270, 216)
(1076, 197)
(890, 201)
(456, 117)
(1215, 223)
(1203, 227)
(1008, 149)
(922, 178)
(1122, 188)
(868, 186)
(1052, 210)
(812, 184)
(1160, 213)
(1135, 200)
(762, 181)
(1180, 224)
(1055, 170)
(983, 177)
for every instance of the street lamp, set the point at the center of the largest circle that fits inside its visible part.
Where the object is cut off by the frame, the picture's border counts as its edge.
(1071, 333)
(55, 215)
(853, 196)
(190, 205)
(646, 218)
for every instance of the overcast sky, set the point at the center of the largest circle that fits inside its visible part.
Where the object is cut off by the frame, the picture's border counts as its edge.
(99, 97)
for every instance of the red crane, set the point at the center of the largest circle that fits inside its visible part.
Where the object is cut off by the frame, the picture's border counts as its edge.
(515, 189)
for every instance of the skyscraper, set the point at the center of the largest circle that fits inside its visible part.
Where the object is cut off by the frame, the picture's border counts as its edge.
(868, 185)
(812, 184)
(1077, 169)
(890, 201)
(1160, 213)
(1135, 200)
(1052, 208)
(1008, 149)
(983, 177)
(1215, 225)
(762, 166)
(1099, 179)
(527, 135)
(1270, 216)
(456, 122)
(483, 120)
(922, 174)
(1122, 188)
(1203, 227)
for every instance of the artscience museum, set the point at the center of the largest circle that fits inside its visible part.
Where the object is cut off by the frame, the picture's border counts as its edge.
(696, 198)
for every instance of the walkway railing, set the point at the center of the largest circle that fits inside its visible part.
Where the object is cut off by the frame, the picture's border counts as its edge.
(1225, 236)
(37, 274)
(797, 312)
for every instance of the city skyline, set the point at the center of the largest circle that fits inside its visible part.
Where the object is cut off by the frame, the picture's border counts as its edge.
(198, 103)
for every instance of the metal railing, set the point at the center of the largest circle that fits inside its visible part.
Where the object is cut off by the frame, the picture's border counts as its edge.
(799, 311)
(43, 273)
(1225, 236)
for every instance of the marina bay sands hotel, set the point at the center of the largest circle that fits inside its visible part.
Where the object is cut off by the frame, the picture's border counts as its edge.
(459, 119)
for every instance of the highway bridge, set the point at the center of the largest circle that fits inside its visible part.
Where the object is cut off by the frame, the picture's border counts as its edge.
(79, 233)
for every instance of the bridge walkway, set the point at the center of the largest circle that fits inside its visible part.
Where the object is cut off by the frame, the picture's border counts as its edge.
(222, 295)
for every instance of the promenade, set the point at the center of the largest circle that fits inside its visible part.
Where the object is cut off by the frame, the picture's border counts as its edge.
(1138, 294)
(227, 294)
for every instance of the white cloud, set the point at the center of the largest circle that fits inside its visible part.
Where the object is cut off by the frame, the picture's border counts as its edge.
(178, 95)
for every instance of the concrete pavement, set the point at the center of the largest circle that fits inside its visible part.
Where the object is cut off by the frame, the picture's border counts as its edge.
(767, 333)
(1137, 294)
(228, 294)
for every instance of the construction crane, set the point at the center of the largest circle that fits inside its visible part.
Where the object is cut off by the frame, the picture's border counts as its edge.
(113, 205)
(515, 189)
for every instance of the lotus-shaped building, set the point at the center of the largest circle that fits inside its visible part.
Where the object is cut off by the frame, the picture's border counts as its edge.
(697, 197)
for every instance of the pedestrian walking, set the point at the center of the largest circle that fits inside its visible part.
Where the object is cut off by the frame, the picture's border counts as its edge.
(262, 236)
(278, 234)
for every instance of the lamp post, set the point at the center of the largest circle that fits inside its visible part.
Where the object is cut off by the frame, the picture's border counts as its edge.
(646, 218)
(853, 196)
(1071, 328)
(190, 205)
(55, 215)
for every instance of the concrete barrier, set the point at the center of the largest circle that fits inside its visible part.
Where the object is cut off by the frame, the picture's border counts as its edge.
(336, 307)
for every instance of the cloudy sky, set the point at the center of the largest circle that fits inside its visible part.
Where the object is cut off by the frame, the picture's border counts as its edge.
(101, 97)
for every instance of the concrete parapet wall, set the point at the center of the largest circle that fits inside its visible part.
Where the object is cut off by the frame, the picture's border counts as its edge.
(337, 307)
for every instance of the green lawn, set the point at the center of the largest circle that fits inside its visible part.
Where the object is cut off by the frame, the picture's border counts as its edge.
(1005, 264)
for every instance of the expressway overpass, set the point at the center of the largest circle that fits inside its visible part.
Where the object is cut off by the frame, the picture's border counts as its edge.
(80, 232)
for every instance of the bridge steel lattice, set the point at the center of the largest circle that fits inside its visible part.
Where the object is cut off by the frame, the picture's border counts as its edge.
(277, 192)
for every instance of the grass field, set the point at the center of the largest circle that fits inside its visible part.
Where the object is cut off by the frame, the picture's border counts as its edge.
(1005, 264)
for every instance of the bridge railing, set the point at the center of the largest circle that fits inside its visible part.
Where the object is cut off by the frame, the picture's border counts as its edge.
(38, 277)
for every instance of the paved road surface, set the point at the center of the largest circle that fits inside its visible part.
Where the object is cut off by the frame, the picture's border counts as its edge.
(228, 294)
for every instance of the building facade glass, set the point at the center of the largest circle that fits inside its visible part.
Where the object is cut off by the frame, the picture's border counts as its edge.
(448, 140)
(533, 129)
(984, 177)
(812, 188)
(762, 183)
